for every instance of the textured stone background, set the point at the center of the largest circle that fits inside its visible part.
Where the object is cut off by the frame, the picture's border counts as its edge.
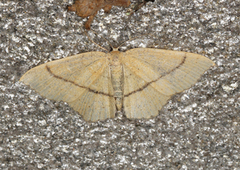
(197, 129)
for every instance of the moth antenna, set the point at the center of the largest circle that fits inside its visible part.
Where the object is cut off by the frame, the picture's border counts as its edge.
(98, 44)
(136, 38)
(104, 39)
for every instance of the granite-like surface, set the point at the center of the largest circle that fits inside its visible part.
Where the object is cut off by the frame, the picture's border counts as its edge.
(197, 129)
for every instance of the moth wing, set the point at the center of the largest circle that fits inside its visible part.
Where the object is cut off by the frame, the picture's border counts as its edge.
(152, 76)
(83, 81)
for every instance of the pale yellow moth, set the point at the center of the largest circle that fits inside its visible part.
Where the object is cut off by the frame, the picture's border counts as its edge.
(139, 81)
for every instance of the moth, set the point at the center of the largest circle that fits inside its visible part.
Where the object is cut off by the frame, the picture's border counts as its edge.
(139, 81)
(89, 8)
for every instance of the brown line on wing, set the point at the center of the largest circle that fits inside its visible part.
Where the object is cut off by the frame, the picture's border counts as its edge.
(148, 83)
(91, 90)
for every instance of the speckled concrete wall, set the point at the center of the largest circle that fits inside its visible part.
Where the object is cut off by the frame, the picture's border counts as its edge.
(197, 129)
